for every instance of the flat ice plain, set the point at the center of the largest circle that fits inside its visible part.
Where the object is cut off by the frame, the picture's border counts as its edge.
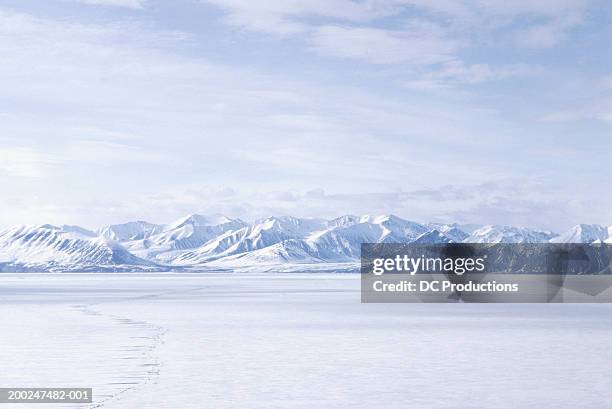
(293, 341)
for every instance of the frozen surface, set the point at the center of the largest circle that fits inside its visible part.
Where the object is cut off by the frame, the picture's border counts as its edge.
(293, 341)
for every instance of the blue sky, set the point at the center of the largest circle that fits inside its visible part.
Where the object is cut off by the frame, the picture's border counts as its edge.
(435, 110)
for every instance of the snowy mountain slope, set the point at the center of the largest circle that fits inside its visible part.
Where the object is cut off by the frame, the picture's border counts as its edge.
(508, 234)
(344, 221)
(453, 231)
(337, 240)
(433, 237)
(47, 247)
(342, 240)
(78, 231)
(212, 249)
(395, 229)
(261, 234)
(287, 251)
(344, 243)
(276, 229)
(182, 235)
(585, 233)
(130, 231)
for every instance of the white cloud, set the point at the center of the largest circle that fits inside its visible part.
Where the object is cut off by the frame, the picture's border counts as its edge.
(111, 153)
(562, 116)
(417, 42)
(133, 4)
(500, 13)
(283, 17)
(36, 163)
(607, 82)
(548, 34)
(598, 108)
(249, 14)
(464, 19)
(521, 202)
(425, 33)
(377, 46)
(125, 87)
(26, 162)
(425, 84)
(477, 73)
(453, 73)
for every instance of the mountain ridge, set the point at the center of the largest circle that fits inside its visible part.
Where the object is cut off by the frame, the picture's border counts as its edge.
(198, 242)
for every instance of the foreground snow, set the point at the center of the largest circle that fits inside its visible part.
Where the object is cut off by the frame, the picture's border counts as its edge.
(294, 341)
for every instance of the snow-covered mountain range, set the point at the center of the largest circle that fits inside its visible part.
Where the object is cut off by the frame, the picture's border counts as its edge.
(197, 242)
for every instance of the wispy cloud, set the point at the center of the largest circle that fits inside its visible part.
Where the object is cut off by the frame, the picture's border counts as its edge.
(37, 163)
(111, 153)
(351, 35)
(548, 34)
(456, 73)
(522, 202)
(286, 17)
(27, 162)
(597, 108)
(435, 34)
(356, 30)
(562, 116)
(133, 4)
(415, 45)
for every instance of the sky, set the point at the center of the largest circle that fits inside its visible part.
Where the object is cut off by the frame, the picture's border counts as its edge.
(483, 111)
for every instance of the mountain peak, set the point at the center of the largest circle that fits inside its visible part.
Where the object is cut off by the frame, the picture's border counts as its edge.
(130, 231)
(379, 218)
(78, 230)
(585, 233)
(432, 237)
(492, 233)
(199, 220)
